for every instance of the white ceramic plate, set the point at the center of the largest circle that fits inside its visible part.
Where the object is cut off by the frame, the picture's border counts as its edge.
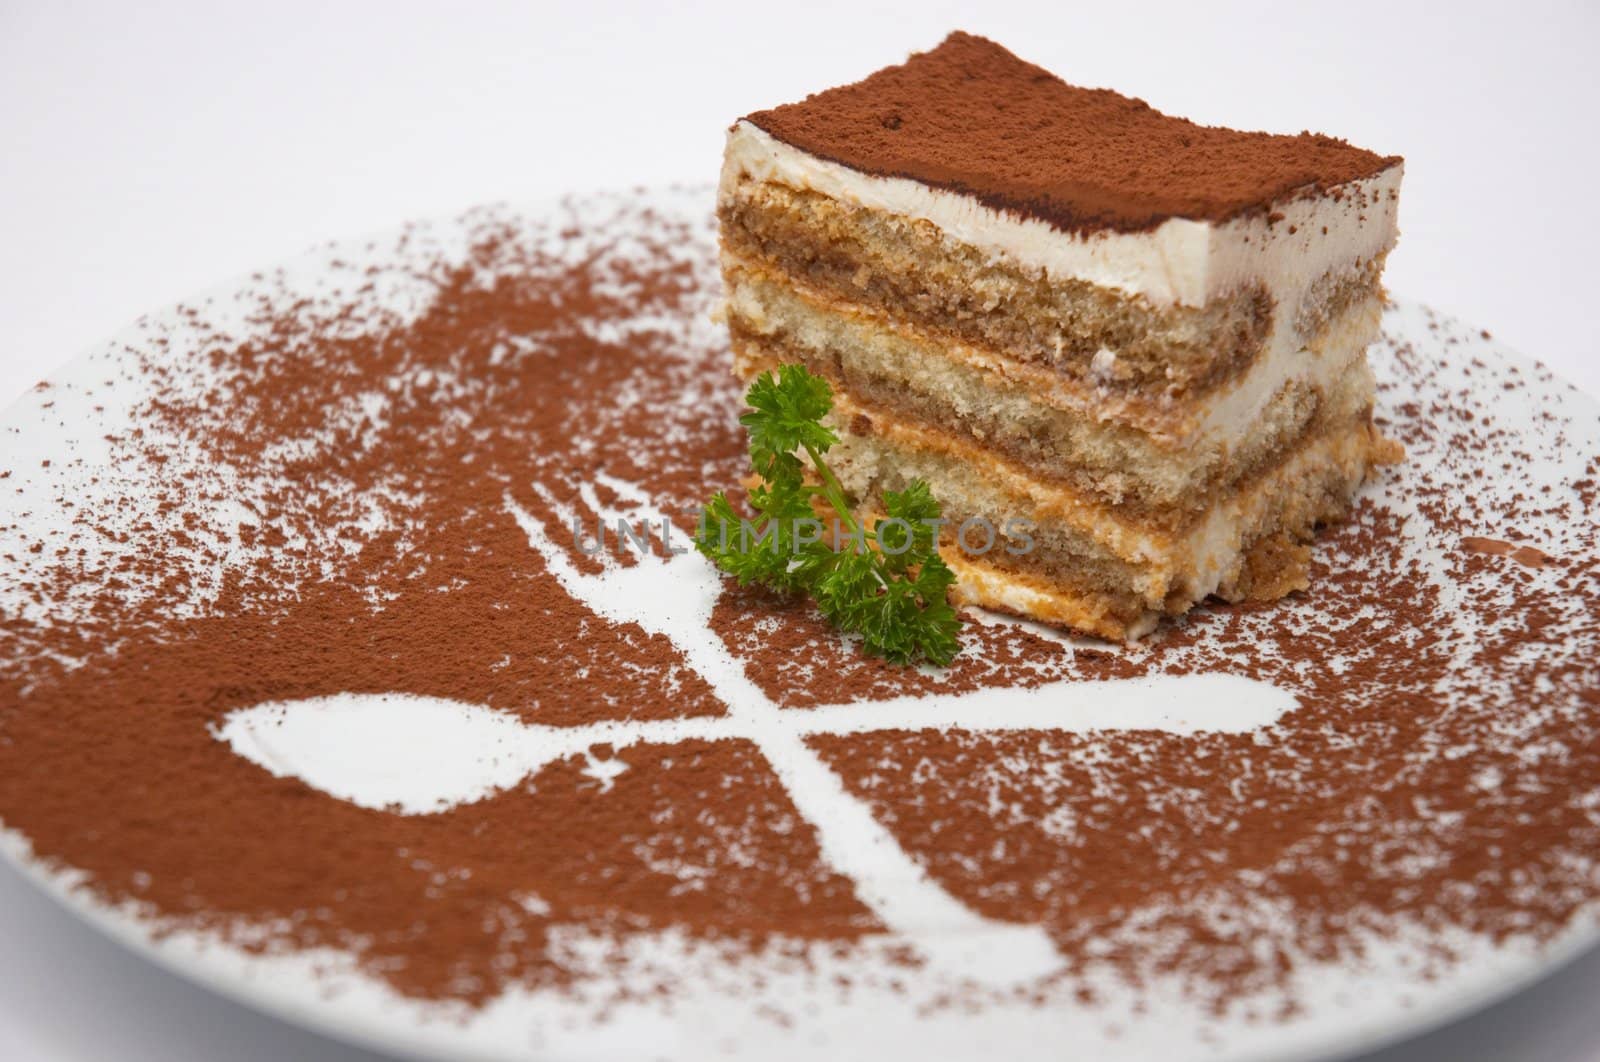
(425, 755)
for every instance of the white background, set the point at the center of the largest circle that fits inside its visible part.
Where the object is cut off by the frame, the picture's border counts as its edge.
(149, 150)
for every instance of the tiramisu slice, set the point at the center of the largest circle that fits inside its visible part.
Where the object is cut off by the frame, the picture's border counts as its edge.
(1129, 347)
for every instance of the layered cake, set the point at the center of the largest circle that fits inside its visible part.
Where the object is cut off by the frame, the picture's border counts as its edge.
(1126, 351)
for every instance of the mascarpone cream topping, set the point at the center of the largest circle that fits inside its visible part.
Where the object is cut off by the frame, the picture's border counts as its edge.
(1180, 262)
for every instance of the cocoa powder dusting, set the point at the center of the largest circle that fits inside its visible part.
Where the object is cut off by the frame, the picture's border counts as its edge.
(970, 117)
(1494, 547)
(310, 496)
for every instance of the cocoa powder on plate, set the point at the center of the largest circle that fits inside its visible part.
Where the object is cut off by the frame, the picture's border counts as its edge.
(310, 498)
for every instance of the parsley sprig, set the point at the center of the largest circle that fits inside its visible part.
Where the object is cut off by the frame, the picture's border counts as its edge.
(885, 583)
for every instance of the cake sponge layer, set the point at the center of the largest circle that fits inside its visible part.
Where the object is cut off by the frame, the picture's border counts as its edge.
(1109, 577)
(943, 385)
(910, 270)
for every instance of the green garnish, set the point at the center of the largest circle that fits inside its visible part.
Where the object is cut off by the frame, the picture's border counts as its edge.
(886, 583)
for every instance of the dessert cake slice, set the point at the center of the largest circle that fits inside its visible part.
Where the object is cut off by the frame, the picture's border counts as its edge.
(1127, 352)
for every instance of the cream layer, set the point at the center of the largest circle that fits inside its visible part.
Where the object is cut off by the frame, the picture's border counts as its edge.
(1180, 261)
(767, 304)
(1193, 561)
(999, 589)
